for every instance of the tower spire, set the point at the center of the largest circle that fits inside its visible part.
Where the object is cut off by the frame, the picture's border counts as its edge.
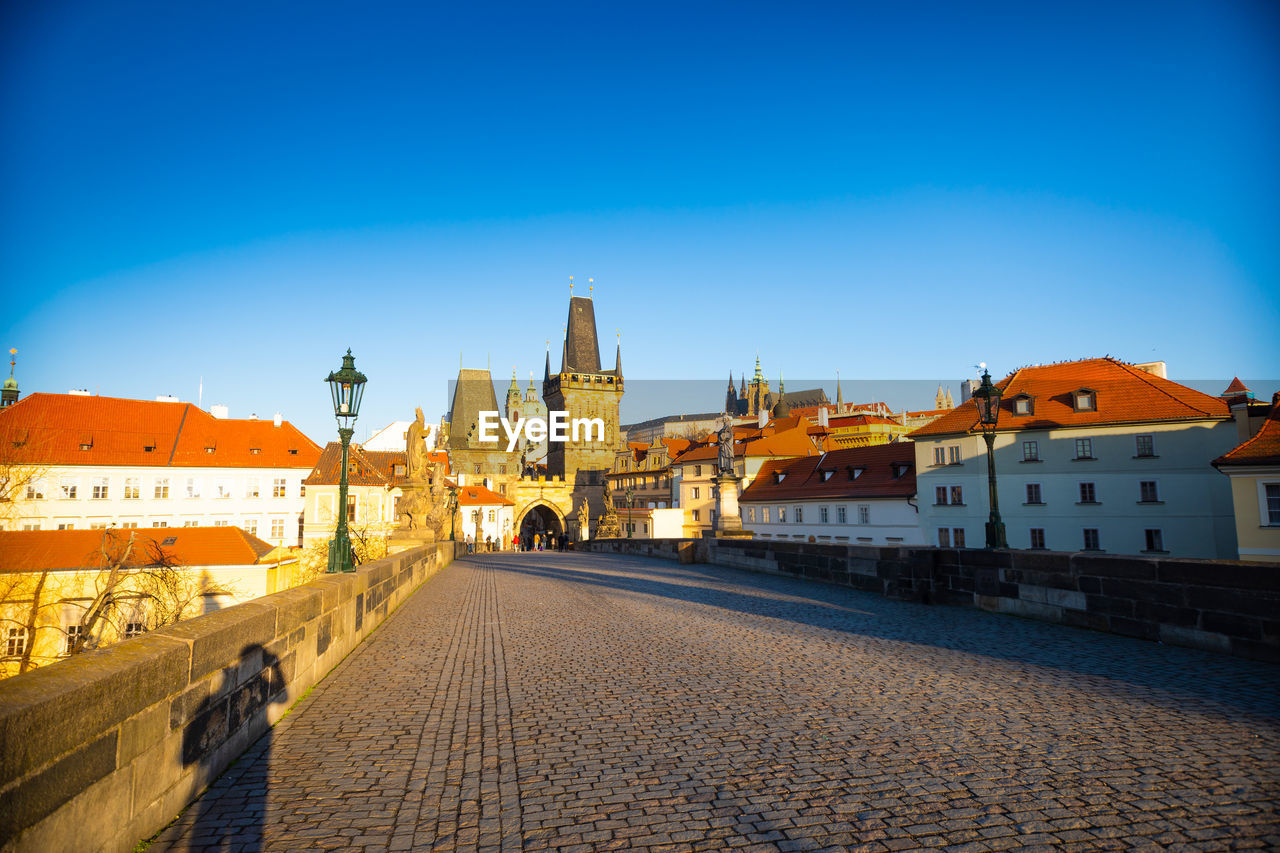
(547, 375)
(839, 394)
(617, 365)
(9, 393)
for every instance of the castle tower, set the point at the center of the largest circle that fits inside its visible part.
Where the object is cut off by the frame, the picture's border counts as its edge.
(468, 455)
(513, 399)
(583, 390)
(758, 397)
(9, 394)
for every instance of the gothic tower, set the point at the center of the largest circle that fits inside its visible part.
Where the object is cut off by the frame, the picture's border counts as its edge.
(584, 390)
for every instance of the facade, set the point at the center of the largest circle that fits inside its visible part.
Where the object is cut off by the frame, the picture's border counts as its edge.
(1253, 470)
(855, 496)
(50, 580)
(485, 513)
(646, 470)
(95, 462)
(755, 398)
(1094, 455)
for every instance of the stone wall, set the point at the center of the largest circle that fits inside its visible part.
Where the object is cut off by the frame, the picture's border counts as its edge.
(102, 750)
(1224, 606)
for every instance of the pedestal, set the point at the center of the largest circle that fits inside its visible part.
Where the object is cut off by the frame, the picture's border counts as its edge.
(728, 523)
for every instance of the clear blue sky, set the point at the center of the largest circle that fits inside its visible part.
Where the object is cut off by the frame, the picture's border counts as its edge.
(240, 191)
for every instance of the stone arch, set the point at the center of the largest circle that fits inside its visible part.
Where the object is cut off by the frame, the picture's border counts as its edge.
(541, 516)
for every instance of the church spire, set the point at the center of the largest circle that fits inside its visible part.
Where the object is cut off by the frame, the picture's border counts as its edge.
(839, 394)
(617, 365)
(9, 394)
(546, 376)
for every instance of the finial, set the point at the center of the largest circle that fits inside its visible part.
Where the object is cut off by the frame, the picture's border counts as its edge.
(591, 282)
(571, 285)
(13, 352)
(619, 336)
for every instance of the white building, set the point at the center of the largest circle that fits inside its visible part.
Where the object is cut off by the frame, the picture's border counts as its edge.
(854, 496)
(483, 513)
(1093, 455)
(97, 462)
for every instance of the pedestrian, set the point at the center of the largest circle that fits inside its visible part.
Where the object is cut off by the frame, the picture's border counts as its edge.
(537, 541)
(515, 541)
(488, 542)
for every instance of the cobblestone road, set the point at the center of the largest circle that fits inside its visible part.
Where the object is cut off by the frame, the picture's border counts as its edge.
(580, 702)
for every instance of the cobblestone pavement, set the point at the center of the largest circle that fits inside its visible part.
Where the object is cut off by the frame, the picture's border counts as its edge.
(581, 702)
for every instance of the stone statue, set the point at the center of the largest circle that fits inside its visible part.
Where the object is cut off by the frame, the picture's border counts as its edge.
(416, 448)
(608, 526)
(608, 500)
(582, 519)
(724, 438)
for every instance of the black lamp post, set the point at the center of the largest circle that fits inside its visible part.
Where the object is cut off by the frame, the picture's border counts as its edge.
(630, 513)
(347, 387)
(453, 512)
(987, 398)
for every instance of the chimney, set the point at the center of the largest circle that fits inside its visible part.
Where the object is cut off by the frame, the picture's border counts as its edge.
(278, 419)
(79, 392)
(220, 412)
(764, 418)
(1155, 368)
(253, 416)
(163, 398)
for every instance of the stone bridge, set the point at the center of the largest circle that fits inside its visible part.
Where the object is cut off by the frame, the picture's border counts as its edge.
(573, 702)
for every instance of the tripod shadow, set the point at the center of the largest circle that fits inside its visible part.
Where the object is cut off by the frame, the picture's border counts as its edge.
(231, 812)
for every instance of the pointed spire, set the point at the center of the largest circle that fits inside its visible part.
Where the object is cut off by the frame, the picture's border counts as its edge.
(759, 376)
(731, 382)
(515, 386)
(839, 394)
(617, 366)
(9, 394)
(547, 375)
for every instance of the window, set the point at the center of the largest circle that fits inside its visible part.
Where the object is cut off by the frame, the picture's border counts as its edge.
(193, 487)
(751, 513)
(1271, 494)
(1091, 539)
(1084, 448)
(502, 469)
(1022, 405)
(939, 495)
(221, 522)
(100, 488)
(134, 629)
(277, 528)
(944, 537)
(251, 488)
(278, 489)
(697, 470)
(1146, 445)
(1037, 538)
(1033, 493)
(191, 522)
(823, 514)
(35, 491)
(842, 514)
(864, 513)
(939, 456)
(491, 518)
(74, 633)
(97, 525)
(697, 515)
(67, 489)
(1088, 494)
(764, 514)
(1085, 400)
(953, 455)
(31, 525)
(1030, 451)
(1155, 540)
(351, 512)
(159, 524)
(957, 537)
(132, 488)
(128, 524)
(782, 515)
(1148, 492)
(694, 493)
(250, 526)
(15, 644)
(799, 515)
(161, 488)
(957, 495)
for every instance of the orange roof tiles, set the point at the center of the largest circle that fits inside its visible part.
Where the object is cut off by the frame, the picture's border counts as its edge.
(1125, 394)
(1261, 449)
(482, 496)
(366, 467)
(68, 429)
(884, 470)
(39, 550)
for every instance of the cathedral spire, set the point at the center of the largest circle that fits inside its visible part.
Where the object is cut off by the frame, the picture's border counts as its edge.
(617, 365)
(547, 375)
(839, 394)
(9, 395)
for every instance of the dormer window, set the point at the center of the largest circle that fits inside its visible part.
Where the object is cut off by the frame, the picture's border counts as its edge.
(1084, 400)
(1024, 404)
(148, 445)
(900, 469)
(210, 444)
(854, 472)
(827, 475)
(778, 477)
(86, 441)
(397, 470)
(255, 450)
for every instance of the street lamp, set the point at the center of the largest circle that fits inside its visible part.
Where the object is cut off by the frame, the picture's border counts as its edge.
(453, 511)
(347, 387)
(630, 513)
(987, 398)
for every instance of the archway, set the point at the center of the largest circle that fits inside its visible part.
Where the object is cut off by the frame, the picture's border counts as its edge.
(542, 519)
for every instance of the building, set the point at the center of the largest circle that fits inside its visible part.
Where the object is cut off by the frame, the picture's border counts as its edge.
(856, 496)
(1253, 469)
(483, 513)
(91, 462)
(672, 426)
(1093, 455)
(393, 436)
(750, 400)
(52, 580)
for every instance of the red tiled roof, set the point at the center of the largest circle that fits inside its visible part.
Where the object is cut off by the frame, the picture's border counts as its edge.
(51, 429)
(1124, 394)
(481, 496)
(38, 550)
(794, 440)
(369, 467)
(1236, 387)
(807, 477)
(1263, 448)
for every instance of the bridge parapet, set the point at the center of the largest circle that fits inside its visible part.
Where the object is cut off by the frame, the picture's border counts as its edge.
(1219, 605)
(105, 748)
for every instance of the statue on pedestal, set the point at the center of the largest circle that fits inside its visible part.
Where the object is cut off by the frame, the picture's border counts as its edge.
(608, 527)
(724, 440)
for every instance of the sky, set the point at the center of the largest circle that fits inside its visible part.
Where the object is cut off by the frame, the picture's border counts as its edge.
(215, 201)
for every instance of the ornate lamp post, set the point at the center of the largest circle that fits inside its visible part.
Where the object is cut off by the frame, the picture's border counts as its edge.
(347, 387)
(987, 398)
(453, 512)
(630, 513)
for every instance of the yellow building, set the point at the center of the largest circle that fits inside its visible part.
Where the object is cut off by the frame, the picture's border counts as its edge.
(1254, 469)
(66, 591)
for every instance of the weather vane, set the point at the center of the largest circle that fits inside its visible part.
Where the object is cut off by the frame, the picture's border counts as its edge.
(591, 286)
(571, 285)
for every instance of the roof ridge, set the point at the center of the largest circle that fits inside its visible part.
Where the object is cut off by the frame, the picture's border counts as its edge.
(1146, 377)
(177, 435)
